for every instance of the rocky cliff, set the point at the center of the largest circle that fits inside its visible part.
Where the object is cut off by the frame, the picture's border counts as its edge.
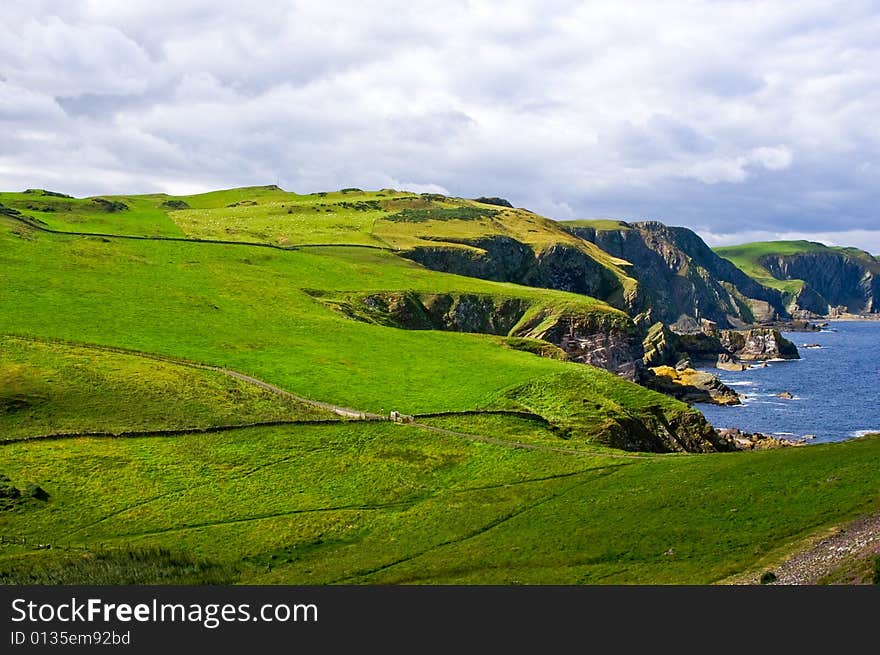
(758, 344)
(815, 279)
(502, 258)
(605, 339)
(833, 279)
(681, 279)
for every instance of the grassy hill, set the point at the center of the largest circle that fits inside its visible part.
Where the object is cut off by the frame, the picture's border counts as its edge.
(402, 221)
(211, 360)
(813, 276)
(747, 257)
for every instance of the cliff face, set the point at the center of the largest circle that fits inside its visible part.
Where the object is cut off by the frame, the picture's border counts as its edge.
(834, 278)
(758, 344)
(681, 279)
(504, 259)
(615, 348)
(605, 340)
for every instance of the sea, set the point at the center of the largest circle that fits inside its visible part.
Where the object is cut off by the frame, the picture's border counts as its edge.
(836, 387)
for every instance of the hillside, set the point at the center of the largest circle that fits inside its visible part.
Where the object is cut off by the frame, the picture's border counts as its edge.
(325, 323)
(200, 390)
(455, 235)
(815, 278)
(681, 279)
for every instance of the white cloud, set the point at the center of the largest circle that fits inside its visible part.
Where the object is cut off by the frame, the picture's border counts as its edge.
(723, 115)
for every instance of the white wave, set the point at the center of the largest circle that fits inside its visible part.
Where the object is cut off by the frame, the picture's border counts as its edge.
(742, 383)
(855, 434)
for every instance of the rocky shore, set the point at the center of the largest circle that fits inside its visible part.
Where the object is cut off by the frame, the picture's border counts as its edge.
(740, 440)
(691, 386)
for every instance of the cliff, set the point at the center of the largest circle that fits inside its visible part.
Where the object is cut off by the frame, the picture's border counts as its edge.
(601, 337)
(490, 240)
(681, 279)
(815, 279)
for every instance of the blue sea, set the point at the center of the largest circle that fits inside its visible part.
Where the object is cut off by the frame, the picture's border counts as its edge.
(836, 387)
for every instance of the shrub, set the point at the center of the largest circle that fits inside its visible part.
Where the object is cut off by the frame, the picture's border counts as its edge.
(175, 204)
(500, 202)
(768, 578)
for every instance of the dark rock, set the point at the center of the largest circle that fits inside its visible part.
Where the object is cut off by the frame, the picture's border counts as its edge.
(504, 259)
(835, 278)
(175, 204)
(726, 362)
(43, 192)
(7, 490)
(37, 492)
(682, 279)
(110, 206)
(500, 202)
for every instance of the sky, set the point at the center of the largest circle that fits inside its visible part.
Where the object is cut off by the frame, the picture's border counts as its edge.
(741, 120)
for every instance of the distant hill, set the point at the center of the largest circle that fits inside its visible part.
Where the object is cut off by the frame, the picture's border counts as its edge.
(815, 278)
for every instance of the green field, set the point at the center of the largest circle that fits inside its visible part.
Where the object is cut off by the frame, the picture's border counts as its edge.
(748, 258)
(515, 482)
(393, 504)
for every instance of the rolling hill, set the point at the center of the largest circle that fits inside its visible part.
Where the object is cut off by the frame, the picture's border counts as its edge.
(200, 389)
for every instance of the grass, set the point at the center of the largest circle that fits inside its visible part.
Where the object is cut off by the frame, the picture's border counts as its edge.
(599, 224)
(748, 257)
(140, 566)
(251, 310)
(384, 503)
(144, 215)
(345, 501)
(55, 388)
(381, 219)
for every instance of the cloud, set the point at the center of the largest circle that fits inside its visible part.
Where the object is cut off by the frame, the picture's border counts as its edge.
(730, 117)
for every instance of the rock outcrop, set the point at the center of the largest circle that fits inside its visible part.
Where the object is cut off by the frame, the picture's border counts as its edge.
(754, 440)
(613, 347)
(680, 277)
(758, 344)
(691, 386)
(834, 278)
(504, 259)
(607, 340)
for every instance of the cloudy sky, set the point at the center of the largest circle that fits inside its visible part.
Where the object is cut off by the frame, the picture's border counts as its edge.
(742, 120)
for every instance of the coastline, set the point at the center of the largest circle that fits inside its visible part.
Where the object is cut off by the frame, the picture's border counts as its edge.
(824, 396)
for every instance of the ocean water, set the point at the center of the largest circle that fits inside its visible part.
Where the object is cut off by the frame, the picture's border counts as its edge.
(836, 387)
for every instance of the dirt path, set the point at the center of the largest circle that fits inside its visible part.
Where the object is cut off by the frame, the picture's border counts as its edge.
(861, 537)
(824, 554)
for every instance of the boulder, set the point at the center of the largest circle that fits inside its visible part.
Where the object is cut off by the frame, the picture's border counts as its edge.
(758, 344)
(691, 386)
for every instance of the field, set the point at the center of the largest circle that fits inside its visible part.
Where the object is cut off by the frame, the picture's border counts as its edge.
(167, 415)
